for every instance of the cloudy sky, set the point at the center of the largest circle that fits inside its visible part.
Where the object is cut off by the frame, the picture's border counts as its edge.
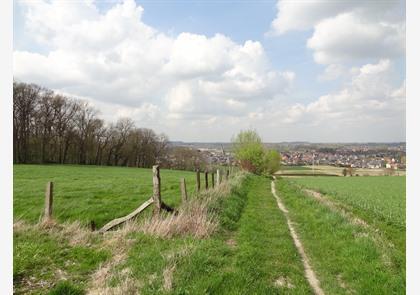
(321, 71)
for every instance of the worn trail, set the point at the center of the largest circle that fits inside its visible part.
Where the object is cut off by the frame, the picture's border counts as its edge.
(309, 272)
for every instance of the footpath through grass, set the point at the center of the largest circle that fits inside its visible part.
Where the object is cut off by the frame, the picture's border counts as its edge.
(252, 253)
(347, 257)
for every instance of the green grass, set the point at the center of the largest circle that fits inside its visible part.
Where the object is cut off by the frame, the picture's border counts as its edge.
(88, 193)
(250, 252)
(344, 256)
(381, 197)
(40, 259)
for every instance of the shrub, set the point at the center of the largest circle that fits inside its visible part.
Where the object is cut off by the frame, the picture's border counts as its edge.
(251, 154)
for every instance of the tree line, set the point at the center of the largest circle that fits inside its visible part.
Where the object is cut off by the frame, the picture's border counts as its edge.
(52, 128)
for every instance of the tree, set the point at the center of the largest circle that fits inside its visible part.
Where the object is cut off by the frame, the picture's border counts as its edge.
(249, 151)
(272, 161)
(252, 155)
(50, 127)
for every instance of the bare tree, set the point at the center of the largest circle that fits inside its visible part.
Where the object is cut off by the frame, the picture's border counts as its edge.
(50, 127)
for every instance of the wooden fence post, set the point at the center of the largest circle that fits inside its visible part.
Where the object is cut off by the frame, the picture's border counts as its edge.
(198, 180)
(218, 177)
(183, 190)
(212, 179)
(157, 199)
(206, 178)
(227, 174)
(48, 201)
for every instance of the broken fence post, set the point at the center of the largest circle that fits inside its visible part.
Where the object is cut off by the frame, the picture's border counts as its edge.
(198, 180)
(206, 178)
(48, 201)
(157, 199)
(183, 190)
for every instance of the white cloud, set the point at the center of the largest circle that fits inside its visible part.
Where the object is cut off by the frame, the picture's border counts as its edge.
(198, 87)
(369, 97)
(115, 58)
(332, 72)
(345, 30)
(347, 37)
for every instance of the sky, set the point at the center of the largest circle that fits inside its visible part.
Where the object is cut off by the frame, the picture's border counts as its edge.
(313, 70)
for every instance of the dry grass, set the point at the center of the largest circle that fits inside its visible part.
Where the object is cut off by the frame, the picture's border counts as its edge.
(192, 219)
(118, 243)
(74, 232)
(283, 282)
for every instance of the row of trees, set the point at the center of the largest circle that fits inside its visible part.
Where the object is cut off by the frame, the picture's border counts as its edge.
(52, 128)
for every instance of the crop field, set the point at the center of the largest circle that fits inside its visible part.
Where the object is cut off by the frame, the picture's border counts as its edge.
(326, 170)
(360, 216)
(86, 193)
(351, 251)
(382, 197)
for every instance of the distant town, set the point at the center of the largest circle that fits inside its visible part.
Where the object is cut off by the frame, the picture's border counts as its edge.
(355, 155)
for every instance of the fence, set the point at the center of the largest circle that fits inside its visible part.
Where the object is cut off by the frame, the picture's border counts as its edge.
(155, 199)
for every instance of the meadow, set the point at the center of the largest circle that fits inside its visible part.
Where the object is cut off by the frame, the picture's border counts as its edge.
(232, 239)
(65, 257)
(90, 193)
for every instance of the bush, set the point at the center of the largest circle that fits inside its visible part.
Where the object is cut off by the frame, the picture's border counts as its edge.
(251, 154)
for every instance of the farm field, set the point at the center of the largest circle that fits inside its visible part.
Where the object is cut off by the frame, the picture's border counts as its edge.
(325, 170)
(381, 197)
(348, 255)
(86, 193)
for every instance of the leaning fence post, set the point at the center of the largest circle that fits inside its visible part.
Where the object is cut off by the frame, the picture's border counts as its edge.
(198, 180)
(206, 178)
(157, 199)
(217, 177)
(48, 201)
(183, 190)
(212, 179)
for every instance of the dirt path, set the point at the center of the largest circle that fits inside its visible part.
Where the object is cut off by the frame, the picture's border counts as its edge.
(309, 273)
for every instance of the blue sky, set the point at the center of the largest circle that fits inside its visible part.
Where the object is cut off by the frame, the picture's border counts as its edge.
(282, 30)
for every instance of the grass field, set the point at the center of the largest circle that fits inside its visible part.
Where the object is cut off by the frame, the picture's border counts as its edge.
(381, 197)
(348, 257)
(86, 193)
(250, 252)
(243, 247)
